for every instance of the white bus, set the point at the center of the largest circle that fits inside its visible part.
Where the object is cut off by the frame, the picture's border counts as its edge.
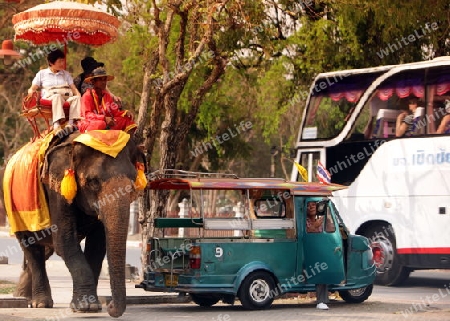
(399, 187)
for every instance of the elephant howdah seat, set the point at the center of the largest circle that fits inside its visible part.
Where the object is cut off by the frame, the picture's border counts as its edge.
(34, 107)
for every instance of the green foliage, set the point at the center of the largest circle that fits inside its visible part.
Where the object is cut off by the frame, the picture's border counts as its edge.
(224, 110)
(274, 100)
(233, 98)
(113, 6)
(137, 53)
(7, 287)
(378, 24)
(127, 65)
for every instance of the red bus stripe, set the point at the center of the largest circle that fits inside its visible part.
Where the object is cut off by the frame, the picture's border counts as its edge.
(428, 250)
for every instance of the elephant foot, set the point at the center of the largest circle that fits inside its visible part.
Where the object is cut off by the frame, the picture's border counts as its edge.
(115, 310)
(24, 287)
(41, 303)
(18, 293)
(86, 304)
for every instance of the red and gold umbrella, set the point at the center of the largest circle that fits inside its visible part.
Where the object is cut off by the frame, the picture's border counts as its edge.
(63, 21)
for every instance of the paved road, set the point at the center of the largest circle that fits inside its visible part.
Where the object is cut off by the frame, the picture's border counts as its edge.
(373, 309)
(426, 296)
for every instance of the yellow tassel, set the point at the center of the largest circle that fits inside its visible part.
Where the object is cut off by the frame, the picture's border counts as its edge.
(141, 181)
(69, 185)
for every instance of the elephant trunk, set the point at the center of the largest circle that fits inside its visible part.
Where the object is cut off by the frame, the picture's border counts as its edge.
(115, 219)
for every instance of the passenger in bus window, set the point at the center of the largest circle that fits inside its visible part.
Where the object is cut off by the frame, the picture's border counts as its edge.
(405, 121)
(444, 126)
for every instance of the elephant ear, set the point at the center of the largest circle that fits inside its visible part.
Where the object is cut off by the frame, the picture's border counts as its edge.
(136, 154)
(45, 166)
(57, 142)
(68, 184)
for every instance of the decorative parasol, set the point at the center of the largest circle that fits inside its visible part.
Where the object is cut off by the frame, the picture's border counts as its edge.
(62, 21)
(7, 52)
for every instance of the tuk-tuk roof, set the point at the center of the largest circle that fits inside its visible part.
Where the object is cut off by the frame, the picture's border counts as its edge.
(242, 184)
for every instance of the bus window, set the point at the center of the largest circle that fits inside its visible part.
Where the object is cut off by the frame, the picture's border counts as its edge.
(438, 92)
(310, 161)
(384, 115)
(328, 117)
(332, 101)
(373, 123)
(392, 99)
(377, 118)
(361, 125)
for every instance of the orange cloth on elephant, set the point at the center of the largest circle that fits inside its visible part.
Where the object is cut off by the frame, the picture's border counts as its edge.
(24, 196)
(95, 112)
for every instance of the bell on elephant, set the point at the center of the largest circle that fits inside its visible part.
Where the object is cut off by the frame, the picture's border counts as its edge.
(69, 185)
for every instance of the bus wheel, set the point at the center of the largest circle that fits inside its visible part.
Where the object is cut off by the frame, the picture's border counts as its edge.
(356, 295)
(257, 291)
(205, 300)
(389, 269)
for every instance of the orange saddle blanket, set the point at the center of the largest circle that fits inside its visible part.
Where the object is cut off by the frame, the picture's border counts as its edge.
(25, 202)
(24, 196)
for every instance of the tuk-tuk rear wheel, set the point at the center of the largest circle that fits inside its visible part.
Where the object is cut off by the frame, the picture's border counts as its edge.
(257, 291)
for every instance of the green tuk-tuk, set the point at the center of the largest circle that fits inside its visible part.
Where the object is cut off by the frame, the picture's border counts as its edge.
(223, 238)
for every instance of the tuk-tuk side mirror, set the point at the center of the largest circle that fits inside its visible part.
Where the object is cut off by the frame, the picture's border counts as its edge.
(321, 207)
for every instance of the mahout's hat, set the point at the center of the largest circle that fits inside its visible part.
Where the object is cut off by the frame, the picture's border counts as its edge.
(99, 72)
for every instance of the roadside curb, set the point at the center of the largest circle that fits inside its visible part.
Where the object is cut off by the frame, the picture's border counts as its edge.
(16, 302)
(160, 299)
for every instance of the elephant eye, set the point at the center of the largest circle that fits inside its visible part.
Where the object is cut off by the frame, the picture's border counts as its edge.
(93, 184)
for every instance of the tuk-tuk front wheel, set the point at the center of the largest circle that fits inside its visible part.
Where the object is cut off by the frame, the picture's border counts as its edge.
(257, 291)
(357, 295)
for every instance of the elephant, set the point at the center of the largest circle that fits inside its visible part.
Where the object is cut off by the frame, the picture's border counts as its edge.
(99, 214)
